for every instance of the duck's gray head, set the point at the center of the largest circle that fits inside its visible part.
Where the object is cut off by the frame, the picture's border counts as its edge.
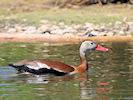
(89, 46)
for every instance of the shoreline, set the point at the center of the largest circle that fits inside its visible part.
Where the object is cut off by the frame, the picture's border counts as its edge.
(32, 38)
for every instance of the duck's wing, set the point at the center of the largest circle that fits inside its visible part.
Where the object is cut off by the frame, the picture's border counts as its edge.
(43, 67)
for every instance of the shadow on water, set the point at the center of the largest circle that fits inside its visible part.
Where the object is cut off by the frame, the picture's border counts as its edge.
(110, 76)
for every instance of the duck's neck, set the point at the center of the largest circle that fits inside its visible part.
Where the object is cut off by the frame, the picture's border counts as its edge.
(83, 62)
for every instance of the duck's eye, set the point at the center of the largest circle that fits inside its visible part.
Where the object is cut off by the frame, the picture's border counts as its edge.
(91, 43)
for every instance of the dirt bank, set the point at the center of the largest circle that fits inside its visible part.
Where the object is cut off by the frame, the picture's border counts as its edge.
(60, 38)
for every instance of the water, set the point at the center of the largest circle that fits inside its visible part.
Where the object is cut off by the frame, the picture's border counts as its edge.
(110, 76)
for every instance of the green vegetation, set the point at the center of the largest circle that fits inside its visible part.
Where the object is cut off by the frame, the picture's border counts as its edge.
(33, 11)
(73, 16)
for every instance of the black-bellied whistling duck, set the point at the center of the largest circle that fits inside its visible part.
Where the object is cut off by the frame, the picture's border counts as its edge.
(58, 68)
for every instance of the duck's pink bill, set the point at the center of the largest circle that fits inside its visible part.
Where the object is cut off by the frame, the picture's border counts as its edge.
(101, 48)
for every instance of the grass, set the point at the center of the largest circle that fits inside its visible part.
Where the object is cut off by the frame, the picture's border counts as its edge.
(93, 14)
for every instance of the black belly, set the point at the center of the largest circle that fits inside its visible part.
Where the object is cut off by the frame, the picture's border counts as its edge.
(43, 71)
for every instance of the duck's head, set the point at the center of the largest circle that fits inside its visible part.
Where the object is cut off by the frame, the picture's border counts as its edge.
(89, 46)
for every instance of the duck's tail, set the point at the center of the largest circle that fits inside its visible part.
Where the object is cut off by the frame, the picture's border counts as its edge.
(19, 68)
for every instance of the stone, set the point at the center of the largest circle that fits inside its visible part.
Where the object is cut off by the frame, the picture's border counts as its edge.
(57, 31)
(109, 33)
(11, 30)
(30, 30)
(87, 29)
(88, 26)
(43, 28)
(96, 33)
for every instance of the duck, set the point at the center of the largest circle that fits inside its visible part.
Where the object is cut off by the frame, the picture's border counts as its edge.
(54, 67)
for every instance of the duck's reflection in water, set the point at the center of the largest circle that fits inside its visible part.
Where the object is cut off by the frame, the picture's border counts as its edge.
(93, 90)
(87, 88)
(40, 79)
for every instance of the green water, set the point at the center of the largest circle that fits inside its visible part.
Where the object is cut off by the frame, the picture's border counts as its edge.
(110, 76)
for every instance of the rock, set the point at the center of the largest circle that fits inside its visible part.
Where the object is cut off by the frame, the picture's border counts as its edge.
(54, 27)
(102, 34)
(6, 27)
(95, 33)
(77, 26)
(57, 31)
(46, 32)
(87, 34)
(19, 28)
(11, 30)
(88, 26)
(102, 28)
(121, 33)
(89, 29)
(69, 30)
(43, 28)
(130, 26)
(30, 30)
(109, 33)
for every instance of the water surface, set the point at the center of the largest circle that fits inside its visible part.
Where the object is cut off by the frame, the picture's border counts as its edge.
(110, 75)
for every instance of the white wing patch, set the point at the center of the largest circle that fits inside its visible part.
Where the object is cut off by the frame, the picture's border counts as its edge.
(38, 66)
